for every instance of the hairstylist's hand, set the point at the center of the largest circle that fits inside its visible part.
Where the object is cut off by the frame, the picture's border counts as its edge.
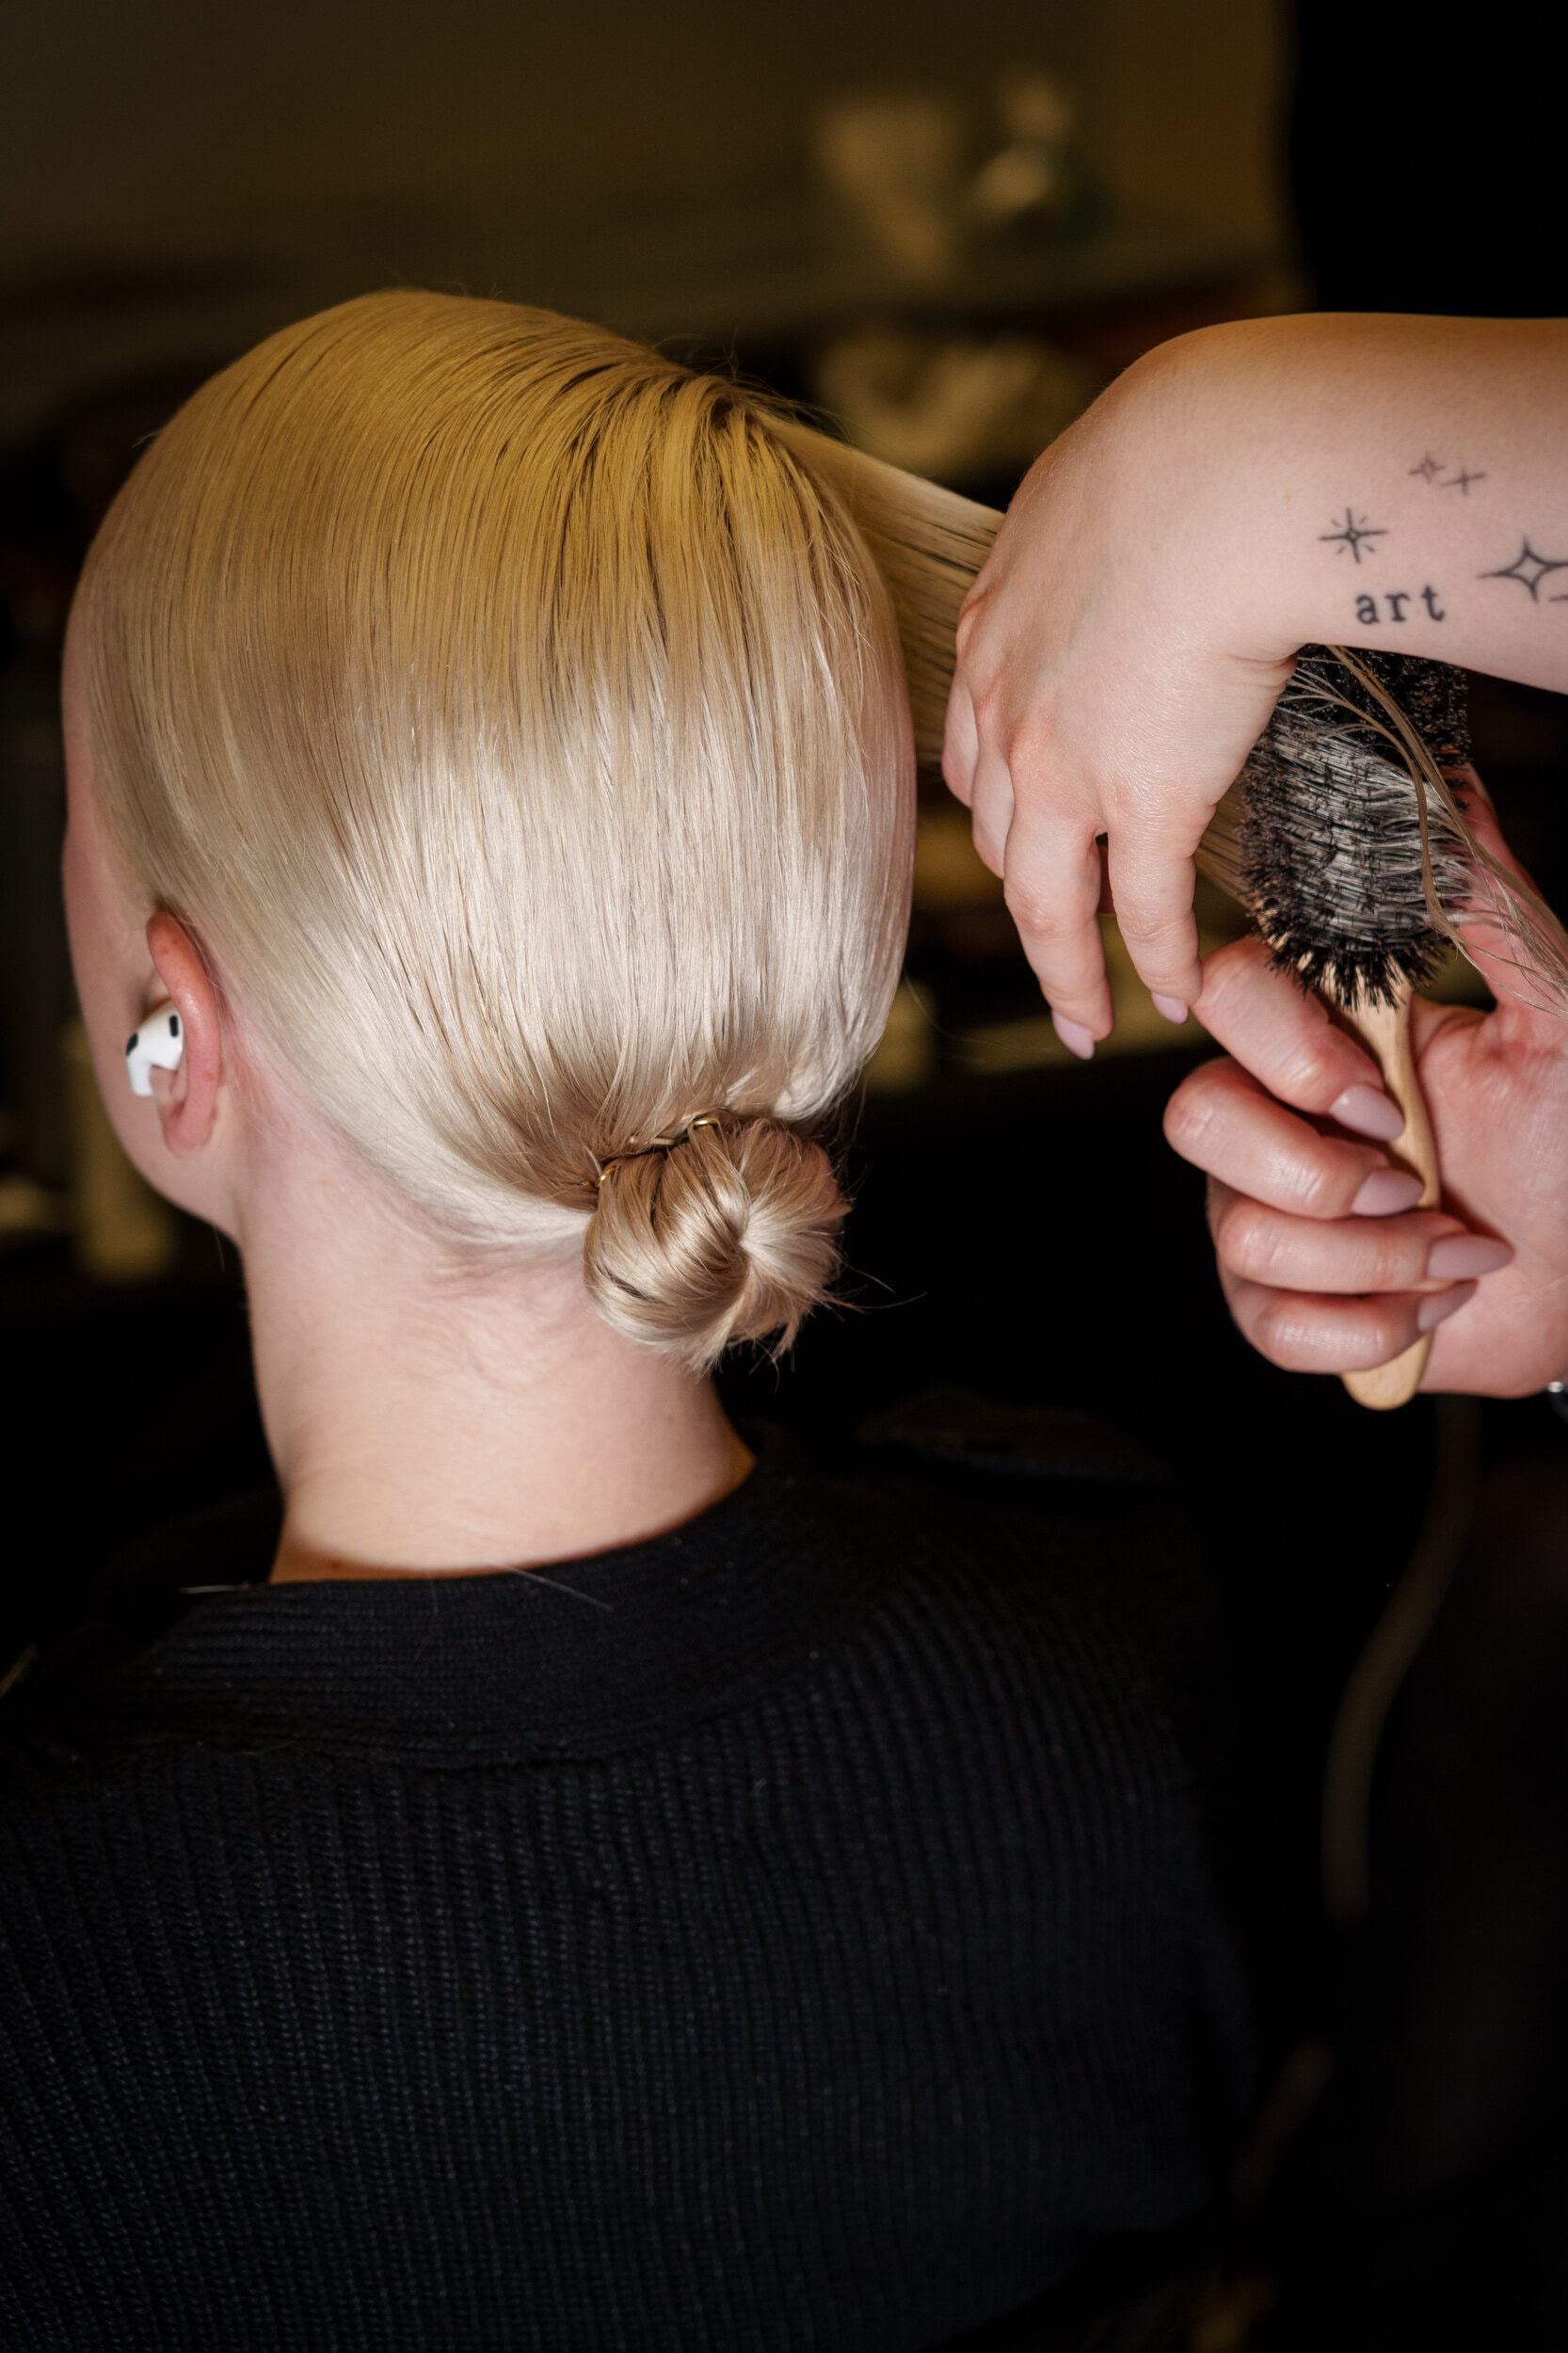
(1240, 492)
(1107, 686)
(1322, 1270)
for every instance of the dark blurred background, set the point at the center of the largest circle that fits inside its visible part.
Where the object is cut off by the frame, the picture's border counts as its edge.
(945, 231)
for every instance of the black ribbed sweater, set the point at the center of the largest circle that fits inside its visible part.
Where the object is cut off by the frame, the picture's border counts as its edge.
(798, 1930)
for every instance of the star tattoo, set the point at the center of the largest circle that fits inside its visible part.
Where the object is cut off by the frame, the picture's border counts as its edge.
(1529, 570)
(1428, 468)
(1353, 533)
(1462, 481)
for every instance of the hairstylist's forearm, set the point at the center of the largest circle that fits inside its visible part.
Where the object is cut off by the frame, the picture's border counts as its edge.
(1398, 483)
(1386, 482)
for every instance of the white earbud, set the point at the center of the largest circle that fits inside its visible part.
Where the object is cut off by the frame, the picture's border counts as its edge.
(161, 1040)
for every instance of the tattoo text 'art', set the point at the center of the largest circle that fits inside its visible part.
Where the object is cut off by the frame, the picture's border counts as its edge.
(1529, 569)
(1354, 532)
(1369, 614)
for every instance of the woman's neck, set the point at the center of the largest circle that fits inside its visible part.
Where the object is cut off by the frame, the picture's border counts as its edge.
(420, 1427)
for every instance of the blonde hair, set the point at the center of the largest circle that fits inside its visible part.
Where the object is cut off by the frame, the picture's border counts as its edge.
(525, 723)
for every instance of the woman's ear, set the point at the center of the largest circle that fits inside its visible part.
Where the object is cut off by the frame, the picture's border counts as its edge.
(187, 1096)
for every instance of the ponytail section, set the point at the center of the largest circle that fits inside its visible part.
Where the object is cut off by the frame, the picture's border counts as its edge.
(927, 543)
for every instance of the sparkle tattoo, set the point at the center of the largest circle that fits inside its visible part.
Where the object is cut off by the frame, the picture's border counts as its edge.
(1354, 532)
(1462, 481)
(1529, 569)
(1429, 468)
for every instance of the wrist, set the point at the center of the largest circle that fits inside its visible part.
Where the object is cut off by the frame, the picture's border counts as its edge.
(1221, 461)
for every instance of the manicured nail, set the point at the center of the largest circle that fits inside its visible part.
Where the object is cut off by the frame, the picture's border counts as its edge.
(1439, 1305)
(1367, 1111)
(1459, 1256)
(1078, 1039)
(1386, 1191)
(1171, 1007)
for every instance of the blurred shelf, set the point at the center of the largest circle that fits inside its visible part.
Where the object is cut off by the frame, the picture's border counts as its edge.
(786, 271)
(775, 272)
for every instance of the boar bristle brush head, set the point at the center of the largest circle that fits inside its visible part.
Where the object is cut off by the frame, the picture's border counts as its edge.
(1331, 840)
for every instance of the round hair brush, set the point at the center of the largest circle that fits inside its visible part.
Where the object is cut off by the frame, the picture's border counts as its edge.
(1344, 844)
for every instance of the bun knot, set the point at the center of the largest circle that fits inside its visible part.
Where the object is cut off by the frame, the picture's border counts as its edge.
(727, 1232)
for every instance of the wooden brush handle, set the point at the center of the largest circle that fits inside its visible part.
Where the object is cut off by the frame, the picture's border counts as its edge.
(1384, 1030)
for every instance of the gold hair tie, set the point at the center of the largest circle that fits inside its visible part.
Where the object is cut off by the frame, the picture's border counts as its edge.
(654, 1144)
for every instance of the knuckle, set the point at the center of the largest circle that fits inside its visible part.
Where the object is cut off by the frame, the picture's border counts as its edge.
(1191, 1113)
(1288, 1335)
(1380, 1335)
(1033, 909)
(1243, 992)
(989, 694)
(1231, 971)
(1391, 1268)
(970, 619)
(1031, 743)
(1304, 1072)
(1252, 1241)
(1154, 928)
(1316, 1184)
(1166, 958)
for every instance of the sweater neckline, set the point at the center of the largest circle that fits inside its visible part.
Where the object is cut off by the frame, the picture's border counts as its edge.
(190, 1639)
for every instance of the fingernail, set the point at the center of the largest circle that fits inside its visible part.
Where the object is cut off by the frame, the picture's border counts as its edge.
(1385, 1191)
(1074, 1035)
(1458, 1256)
(1171, 1007)
(1367, 1111)
(1439, 1305)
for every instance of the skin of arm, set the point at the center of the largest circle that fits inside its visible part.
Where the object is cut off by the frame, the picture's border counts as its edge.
(1373, 481)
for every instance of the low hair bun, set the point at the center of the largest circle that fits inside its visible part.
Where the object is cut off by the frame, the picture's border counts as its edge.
(729, 1233)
